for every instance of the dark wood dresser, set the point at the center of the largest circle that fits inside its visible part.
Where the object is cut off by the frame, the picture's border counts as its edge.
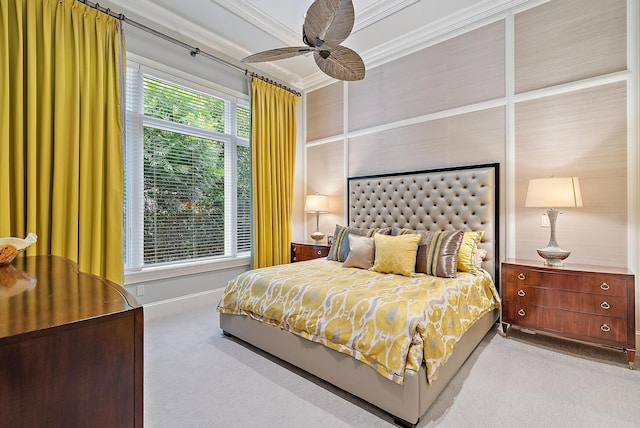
(70, 348)
(593, 304)
(301, 251)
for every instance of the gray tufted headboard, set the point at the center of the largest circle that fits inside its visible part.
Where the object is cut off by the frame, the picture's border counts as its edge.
(441, 199)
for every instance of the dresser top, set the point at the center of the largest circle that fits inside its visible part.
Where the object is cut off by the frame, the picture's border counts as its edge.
(40, 292)
(569, 267)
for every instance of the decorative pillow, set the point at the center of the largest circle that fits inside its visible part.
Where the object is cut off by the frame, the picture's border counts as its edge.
(361, 252)
(479, 257)
(425, 238)
(468, 249)
(395, 254)
(340, 247)
(438, 251)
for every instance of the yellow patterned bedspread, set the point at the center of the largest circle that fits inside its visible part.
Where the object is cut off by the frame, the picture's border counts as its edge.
(387, 321)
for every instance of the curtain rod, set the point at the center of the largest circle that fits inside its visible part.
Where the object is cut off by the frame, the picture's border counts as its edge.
(193, 51)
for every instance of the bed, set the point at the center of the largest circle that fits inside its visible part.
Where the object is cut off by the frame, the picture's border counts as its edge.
(403, 368)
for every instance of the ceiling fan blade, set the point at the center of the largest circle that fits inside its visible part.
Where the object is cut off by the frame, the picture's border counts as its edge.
(329, 21)
(340, 63)
(276, 54)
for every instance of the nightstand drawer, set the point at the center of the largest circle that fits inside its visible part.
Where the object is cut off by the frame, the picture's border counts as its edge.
(607, 330)
(301, 251)
(585, 283)
(611, 306)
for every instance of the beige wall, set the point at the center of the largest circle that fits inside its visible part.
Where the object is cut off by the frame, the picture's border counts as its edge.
(326, 104)
(568, 40)
(461, 71)
(544, 91)
(581, 134)
(325, 175)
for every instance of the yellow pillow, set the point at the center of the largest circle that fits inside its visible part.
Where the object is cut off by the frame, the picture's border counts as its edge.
(467, 251)
(396, 254)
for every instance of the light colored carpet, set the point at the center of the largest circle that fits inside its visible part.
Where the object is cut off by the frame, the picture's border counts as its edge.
(196, 377)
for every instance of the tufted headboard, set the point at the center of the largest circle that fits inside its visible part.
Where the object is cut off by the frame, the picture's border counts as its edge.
(464, 198)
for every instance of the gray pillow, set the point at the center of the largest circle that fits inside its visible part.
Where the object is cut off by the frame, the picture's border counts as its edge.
(361, 252)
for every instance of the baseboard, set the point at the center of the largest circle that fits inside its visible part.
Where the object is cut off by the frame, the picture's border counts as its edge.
(182, 304)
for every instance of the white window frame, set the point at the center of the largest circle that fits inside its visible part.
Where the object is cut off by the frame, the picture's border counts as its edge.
(135, 271)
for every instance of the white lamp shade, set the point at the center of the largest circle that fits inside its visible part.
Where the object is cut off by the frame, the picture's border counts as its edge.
(317, 204)
(554, 192)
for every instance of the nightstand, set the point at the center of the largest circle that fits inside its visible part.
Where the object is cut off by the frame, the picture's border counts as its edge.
(301, 251)
(592, 304)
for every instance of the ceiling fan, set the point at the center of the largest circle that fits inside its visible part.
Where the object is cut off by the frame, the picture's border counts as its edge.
(327, 23)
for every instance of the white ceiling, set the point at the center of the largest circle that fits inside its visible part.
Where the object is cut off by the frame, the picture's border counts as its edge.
(383, 29)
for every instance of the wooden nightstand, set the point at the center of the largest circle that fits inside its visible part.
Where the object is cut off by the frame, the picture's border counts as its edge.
(593, 304)
(301, 251)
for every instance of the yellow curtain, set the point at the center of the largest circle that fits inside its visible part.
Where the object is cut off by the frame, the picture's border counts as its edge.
(273, 153)
(61, 164)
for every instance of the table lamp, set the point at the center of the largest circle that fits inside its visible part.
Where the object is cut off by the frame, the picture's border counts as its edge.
(552, 193)
(317, 204)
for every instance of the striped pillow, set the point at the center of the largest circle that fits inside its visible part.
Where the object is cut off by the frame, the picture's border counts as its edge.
(437, 251)
(468, 249)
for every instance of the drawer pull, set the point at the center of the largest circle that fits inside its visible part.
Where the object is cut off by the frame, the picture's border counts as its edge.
(605, 286)
(319, 252)
(521, 293)
(605, 328)
(522, 313)
(521, 276)
(605, 305)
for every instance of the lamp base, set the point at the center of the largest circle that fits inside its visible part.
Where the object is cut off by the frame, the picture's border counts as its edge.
(553, 256)
(317, 235)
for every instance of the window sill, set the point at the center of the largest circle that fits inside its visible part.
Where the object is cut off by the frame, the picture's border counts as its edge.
(173, 270)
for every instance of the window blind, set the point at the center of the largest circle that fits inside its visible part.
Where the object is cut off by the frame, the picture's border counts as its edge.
(188, 176)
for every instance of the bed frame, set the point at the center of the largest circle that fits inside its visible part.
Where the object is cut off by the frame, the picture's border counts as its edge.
(442, 199)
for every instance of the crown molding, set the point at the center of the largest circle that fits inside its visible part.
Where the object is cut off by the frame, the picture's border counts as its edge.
(436, 32)
(377, 11)
(261, 20)
(316, 81)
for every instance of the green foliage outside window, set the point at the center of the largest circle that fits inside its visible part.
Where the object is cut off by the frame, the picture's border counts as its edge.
(177, 104)
(184, 174)
(183, 197)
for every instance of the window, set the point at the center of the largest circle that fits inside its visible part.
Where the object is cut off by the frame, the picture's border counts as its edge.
(187, 184)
